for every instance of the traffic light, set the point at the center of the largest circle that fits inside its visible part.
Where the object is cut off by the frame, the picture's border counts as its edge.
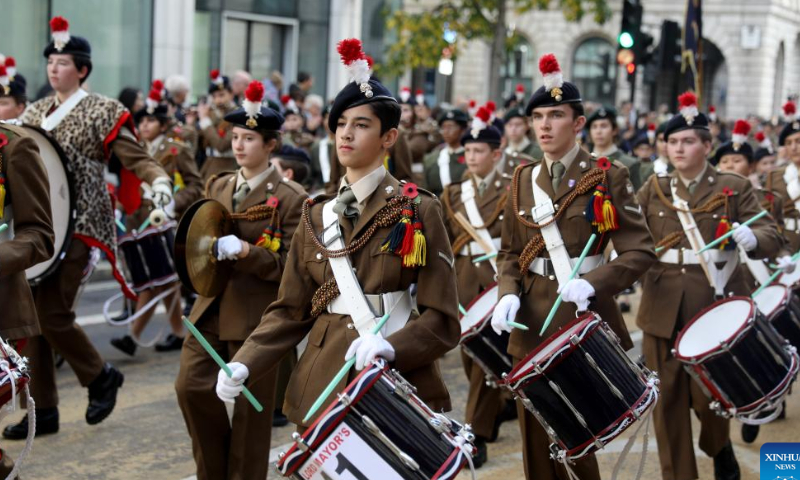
(632, 42)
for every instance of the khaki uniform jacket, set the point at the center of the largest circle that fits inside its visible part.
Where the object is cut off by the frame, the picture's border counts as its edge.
(174, 156)
(427, 336)
(511, 160)
(665, 286)
(218, 137)
(776, 183)
(537, 293)
(473, 279)
(28, 190)
(422, 138)
(255, 280)
(457, 168)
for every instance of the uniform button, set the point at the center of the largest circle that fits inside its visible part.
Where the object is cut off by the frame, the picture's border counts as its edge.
(714, 216)
(319, 256)
(660, 214)
(551, 277)
(683, 249)
(350, 326)
(683, 270)
(522, 212)
(500, 217)
(556, 206)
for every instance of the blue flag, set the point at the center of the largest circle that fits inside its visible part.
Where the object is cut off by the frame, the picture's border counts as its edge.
(691, 64)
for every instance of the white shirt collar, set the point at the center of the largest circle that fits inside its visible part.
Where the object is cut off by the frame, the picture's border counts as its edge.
(365, 187)
(152, 147)
(254, 182)
(566, 160)
(511, 148)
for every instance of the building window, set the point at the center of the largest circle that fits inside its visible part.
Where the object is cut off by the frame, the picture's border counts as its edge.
(520, 67)
(594, 70)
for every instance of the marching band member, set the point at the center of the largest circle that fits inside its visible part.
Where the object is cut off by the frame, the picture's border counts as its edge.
(323, 158)
(174, 156)
(520, 149)
(422, 133)
(480, 197)
(685, 210)
(268, 208)
(545, 230)
(602, 128)
(445, 164)
(89, 127)
(12, 96)
(786, 179)
(23, 180)
(394, 236)
(215, 132)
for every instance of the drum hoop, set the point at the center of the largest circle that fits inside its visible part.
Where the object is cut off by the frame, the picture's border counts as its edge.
(480, 295)
(147, 232)
(451, 467)
(498, 381)
(481, 323)
(782, 305)
(520, 373)
(699, 358)
(73, 207)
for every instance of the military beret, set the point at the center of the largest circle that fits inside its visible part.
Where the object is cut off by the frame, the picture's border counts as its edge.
(481, 130)
(761, 153)
(555, 90)
(288, 152)
(516, 112)
(792, 122)
(160, 113)
(602, 113)
(737, 145)
(218, 82)
(688, 118)
(456, 115)
(64, 43)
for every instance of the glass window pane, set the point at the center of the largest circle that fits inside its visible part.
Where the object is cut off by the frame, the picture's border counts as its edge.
(594, 70)
(235, 42)
(24, 35)
(201, 64)
(266, 49)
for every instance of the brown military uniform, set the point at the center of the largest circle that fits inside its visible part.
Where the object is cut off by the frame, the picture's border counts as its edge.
(512, 158)
(427, 336)
(398, 163)
(484, 403)
(186, 134)
(791, 215)
(422, 138)
(538, 293)
(216, 139)
(240, 452)
(458, 166)
(773, 203)
(672, 294)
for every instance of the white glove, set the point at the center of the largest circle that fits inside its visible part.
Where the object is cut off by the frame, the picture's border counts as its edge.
(366, 347)
(744, 236)
(785, 264)
(577, 291)
(169, 209)
(162, 191)
(505, 310)
(118, 214)
(228, 388)
(229, 247)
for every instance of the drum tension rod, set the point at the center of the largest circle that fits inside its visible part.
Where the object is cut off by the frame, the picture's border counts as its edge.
(406, 458)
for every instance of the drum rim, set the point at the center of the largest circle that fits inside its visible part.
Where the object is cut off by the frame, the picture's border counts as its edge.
(716, 349)
(150, 230)
(471, 330)
(73, 207)
(782, 305)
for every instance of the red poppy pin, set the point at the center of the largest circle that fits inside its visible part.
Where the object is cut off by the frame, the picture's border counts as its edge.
(727, 191)
(177, 130)
(462, 160)
(410, 190)
(221, 133)
(3, 140)
(173, 151)
(273, 202)
(603, 163)
(770, 197)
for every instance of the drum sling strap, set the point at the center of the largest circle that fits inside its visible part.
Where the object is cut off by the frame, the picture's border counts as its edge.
(717, 277)
(324, 159)
(444, 167)
(757, 267)
(474, 215)
(792, 179)
(355, 301)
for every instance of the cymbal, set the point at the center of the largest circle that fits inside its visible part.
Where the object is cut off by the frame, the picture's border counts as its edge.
(203, 223)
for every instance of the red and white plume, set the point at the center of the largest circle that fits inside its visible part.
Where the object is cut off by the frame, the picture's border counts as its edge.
(764, 141)
(472, 108)
(153, 99)
(790, 111)
(419, 97)
(480, 121)
(289, 105)
(520, 92)
(651, 133)
(712, 113)
(492, 107)
(252, 102)
(551, 73)
(59, 28)
(356, 64)
(11, 67)
(216, 77)
(741, 129)
(4, 81)
(687, 106)
(405, 94)
(158, 85)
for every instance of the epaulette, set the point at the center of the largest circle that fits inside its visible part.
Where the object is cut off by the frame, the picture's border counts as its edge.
(177, 141)
(211, 180)
(419, 189)
(296, 187)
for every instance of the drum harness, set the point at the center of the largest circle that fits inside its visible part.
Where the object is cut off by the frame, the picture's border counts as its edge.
(474, 215)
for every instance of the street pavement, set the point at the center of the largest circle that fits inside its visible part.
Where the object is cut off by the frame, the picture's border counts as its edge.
(145, 437)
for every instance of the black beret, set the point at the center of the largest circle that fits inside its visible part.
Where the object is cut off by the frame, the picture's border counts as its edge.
(516, 112)
(268, 119)
(459, 116)
(288, 152)
(77, 47)
(160, 113)
(224, 85)
(16, 88)
(678, 123)
(602, 113)
(641, 140)
(490, 135)
(761, 153)
(789, 129)
(544, 98)
(662, 127)
(352, 96)
(730, 148)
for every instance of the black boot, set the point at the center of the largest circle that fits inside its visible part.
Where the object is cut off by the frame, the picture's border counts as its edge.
(482, 454)
(172, 342)
(749, 433)
(725, 465)
(125, 344)
(127, 311)
(103, 394)
(46, 422)
(279, 419)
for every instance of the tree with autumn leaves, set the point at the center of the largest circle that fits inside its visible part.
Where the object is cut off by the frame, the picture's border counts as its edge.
(421, 38)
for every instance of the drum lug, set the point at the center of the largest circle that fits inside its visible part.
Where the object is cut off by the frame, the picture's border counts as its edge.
(345, 399)
(300, 442)
(402, 384)
(404, 457)
(438, 425)
(574, 340)
(466, 433)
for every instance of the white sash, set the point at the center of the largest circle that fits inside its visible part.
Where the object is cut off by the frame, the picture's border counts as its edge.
(757, 267)
(50, 122)
(543, 212)
(790, 176)
(324, 160)
(444, 167)
(717, 278)
(468, 197)
(660, 166)
(357, 304)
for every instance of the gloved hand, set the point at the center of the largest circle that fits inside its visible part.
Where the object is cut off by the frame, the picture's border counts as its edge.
(505, 310)
(577, 291)
(229, 247)
(162, 191)
(785, 264)
(169, 209)
(228, 388)
(366, 347)
(118, 214)
(744, 236)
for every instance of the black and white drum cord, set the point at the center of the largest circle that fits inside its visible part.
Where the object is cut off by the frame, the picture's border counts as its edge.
(151, 305)
(466, 448)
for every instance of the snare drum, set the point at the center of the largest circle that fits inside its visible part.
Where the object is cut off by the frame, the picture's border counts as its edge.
(791, 280)
(378, 428)
(148, 255)
(738, 358)
(782, 309)
(480, 342)
(13, 379)
(582, 387)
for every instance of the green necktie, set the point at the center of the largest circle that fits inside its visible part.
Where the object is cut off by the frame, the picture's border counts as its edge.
(240, 195)
(692, 187)
(344, 203)
(558, 169)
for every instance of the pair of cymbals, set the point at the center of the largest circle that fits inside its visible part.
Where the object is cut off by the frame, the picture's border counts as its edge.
(202, 224)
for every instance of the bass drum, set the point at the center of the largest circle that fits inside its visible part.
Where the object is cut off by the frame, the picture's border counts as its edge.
(62, 201)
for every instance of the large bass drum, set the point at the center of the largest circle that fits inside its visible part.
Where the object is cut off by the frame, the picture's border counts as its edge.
(62, 203)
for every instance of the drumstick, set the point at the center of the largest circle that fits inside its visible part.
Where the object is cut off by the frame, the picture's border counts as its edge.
(120, 225)
(339, 376)
(3, 227)
(472, 232)
(772, 277)
(462, 310)
(571, 276)
(483, 258)
(722, 238)
(208, 348)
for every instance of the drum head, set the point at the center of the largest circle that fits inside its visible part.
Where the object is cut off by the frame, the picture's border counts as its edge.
(479, 308)
(772, 299)
(715, 325)
(203, 223)
(62, 201)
